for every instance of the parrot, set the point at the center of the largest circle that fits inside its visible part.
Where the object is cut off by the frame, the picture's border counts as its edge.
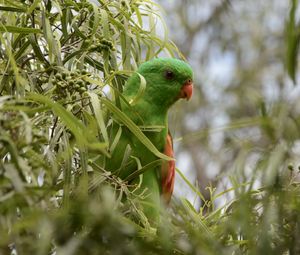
(165, 81)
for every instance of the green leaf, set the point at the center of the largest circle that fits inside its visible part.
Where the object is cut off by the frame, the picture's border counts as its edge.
(116, 140)
(106, 34)
(36, 48)
(67, 170)
(20, 30)
(96, 19)
(152, 128)
(94, 63)
(99, 115)
(66, 15)
(126, 46)
(147, 167)
(141, 90)
(12, 9)
(51, 42)
(23, 48)
(293, 37)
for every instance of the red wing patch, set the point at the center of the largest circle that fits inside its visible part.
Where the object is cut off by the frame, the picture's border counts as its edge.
(168, 171)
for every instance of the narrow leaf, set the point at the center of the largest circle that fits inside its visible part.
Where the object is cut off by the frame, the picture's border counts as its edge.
(99, 116)
(141, 90)
(12, 9)
(140, 171)
(23, 30)
(293, 37)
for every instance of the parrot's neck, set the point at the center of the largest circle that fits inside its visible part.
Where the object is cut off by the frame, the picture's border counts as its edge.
(144, 113)
(150, 100)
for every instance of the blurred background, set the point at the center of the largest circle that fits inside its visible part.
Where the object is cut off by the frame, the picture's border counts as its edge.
(237, 50)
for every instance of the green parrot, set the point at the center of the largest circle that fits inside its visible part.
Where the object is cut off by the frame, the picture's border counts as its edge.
(165, 81)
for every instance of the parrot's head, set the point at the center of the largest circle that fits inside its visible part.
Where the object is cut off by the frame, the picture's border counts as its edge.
(167, 80)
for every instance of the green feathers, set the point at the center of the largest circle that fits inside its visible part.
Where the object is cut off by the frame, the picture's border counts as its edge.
(149, 93)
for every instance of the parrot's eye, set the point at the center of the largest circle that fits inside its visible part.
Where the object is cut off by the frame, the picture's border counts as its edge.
(169, 75)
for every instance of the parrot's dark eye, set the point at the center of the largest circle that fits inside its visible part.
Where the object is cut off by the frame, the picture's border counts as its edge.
(169, 75)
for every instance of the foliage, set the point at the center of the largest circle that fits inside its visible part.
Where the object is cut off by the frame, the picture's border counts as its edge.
(63, 65)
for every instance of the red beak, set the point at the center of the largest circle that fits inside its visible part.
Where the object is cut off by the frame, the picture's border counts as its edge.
(186, 90)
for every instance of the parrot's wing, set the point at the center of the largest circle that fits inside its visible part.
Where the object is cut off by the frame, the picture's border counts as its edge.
(168, 171)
